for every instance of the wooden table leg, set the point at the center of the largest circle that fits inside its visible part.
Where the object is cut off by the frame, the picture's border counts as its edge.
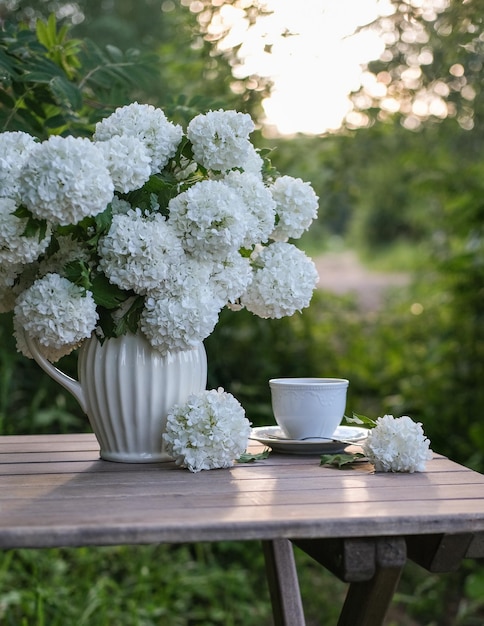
(440, 553)
(372, 566)
(283, 583)
(367, 602)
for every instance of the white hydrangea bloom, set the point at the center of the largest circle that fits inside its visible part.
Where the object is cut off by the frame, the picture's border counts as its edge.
(210, 219)
(55, 312)
(127, 160)
(208, 431)
(260, 206)
(51, 354)
(231, 277)
(147, 123)
(223, 280)
(15, 148)
(14, 246)
(220, 139)
(254, 163)
(65, 179)
(189, 273)
(181, 320)
(397, 445)
(283, 283)
(297, 207)
(139, 251)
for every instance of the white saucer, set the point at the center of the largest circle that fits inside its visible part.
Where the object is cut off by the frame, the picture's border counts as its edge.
(273, 437)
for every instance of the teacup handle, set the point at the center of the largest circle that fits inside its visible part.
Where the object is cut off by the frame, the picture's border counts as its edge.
(72, 385)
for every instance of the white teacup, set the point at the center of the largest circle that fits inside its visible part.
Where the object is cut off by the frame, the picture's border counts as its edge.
(308, 407)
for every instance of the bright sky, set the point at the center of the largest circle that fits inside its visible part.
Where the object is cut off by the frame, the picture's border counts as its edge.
(315, 68)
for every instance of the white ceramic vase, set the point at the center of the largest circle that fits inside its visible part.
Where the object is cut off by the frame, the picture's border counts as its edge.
(127, 388)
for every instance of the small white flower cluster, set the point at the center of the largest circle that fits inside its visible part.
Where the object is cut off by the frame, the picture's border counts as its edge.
(299, 197)
(208, 431)
(15, 148)
(178, 226)
(221, 139)
(57, 313)
(397, 445)
(65, 179)
(14, 247)
(273, 293)
(149, 125)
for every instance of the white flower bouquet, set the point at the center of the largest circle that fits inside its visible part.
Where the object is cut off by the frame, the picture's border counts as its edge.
(147, 227)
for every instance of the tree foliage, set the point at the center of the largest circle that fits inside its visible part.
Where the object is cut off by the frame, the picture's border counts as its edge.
(183, 36)
(432, 65)
(53, 84)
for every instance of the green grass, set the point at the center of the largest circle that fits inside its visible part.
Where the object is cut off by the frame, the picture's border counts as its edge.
(186, 585)
(204, 585)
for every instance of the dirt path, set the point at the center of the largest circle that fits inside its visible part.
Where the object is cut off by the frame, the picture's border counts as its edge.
(342, 272)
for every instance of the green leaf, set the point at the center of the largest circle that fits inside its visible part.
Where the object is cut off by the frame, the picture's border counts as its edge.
(162, 188)
(106, 323)
(361, 420)
(47, 31)
(33, 227)
(56, 121)
(115, 53)
(66, 93)
(130, 320)
(247, 457)
(78, 273)
(342, 460)
(6, 64)
(106, 294)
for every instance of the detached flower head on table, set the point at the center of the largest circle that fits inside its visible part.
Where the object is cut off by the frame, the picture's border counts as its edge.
(393, 445)
(397, 445)
(209, 431)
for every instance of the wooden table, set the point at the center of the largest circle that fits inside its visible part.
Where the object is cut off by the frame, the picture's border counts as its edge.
(362, 526)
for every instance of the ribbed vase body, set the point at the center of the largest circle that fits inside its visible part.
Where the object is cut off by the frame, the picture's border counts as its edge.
(129, 388)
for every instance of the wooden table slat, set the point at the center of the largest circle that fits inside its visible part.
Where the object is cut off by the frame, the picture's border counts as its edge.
(56, 491)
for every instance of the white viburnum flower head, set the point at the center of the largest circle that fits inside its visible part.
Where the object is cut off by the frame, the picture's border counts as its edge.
(221, 281)
(65, 179)
(397, 445)
(220, 139)
(15, 247)
(231, 277)
(50, 353)
(55, 312)
(127, 160)
(140, 251)
(148, 124)
(296, 207)
(210, 219)
(15, 147)
(208, 431)
(254, 163)
(260, 206)
(283, 282)
(179, 320)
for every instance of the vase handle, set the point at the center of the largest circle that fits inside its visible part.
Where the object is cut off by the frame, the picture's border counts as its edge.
(72, 385)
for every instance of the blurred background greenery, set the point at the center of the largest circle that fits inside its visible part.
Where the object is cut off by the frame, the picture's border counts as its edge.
(403, 190)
